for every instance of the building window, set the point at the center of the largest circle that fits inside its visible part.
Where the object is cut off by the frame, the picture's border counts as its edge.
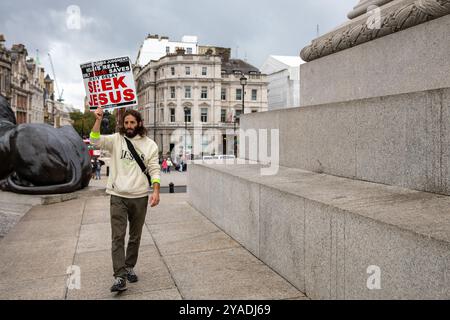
(205, 143)
(204, 71)
(172, 114)
(223, 94)
(162, 115)
(204, 115)
(238, 113)
(167, 50)
(254, 94)
(223, 115)
(187, 115)
(238, 94)
(172, 71)
(188, 50)
(188, 71)
(172, 92)
(204, 93)
(187, 92)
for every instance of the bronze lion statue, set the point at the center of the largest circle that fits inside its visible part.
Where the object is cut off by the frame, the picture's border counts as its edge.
(40, 159)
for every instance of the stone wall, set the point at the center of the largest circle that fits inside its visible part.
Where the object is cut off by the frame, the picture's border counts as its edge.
(322, 233)
(401, 140)
(415, 59)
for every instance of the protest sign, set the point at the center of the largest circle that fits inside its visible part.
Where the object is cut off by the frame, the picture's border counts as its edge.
(109, 83)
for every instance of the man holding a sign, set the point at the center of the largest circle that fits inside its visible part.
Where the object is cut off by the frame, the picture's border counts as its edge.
(134, 165)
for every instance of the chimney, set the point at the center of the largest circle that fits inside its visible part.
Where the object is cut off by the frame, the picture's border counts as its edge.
(180, 51)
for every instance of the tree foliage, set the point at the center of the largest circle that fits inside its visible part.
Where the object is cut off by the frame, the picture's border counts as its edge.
(83, 123)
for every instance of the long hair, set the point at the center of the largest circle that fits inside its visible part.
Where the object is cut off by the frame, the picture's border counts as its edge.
(140, 128)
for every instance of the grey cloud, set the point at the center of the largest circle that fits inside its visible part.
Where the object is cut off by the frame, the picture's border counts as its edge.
(115, 28)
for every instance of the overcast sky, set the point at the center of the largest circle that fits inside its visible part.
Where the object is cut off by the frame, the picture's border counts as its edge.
(258, 28)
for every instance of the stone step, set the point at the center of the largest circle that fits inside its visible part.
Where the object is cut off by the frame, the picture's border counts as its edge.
(331, 236)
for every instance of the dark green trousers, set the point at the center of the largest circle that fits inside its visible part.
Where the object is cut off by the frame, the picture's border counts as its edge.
(133, 210)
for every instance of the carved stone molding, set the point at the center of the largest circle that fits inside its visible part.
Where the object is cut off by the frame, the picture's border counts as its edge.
(362, 7)
(393, 18)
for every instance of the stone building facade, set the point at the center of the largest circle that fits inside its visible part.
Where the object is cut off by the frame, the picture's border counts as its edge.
(20, 83)
(24, 84)
(37, 90)
(5, 70)
(200, 93)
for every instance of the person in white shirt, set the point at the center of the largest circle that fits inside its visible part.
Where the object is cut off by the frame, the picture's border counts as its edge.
(129, 188)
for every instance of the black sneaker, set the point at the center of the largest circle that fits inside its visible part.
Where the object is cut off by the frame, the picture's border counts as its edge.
(120, 284)
(131, 275)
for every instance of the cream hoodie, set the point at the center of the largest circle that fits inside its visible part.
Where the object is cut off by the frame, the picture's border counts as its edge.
(126, 178)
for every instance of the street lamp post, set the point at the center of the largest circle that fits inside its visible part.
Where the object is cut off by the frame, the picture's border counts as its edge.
(154, 110)
(243, 80)
(235, 137)
(185, 130)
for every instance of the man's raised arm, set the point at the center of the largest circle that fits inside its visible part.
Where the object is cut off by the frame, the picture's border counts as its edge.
(102, 142)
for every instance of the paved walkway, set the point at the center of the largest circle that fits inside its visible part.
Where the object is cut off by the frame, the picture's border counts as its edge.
(183, 256)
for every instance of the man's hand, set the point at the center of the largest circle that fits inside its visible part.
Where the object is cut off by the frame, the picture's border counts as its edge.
(154, 199)
(99, 113)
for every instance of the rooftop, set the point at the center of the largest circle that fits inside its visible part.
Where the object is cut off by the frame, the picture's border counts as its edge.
(234, 65)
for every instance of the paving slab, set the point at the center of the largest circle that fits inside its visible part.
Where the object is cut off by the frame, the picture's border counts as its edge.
(164, 294)
(97, 262)
(172, 209)
(29, 260)
(97, 210)
(97, 274)
(7, 221)
(97, 236)
(40, 289)
(57, 211)
(182, 256)
(227, 274)
(96, 286)
(182, 237)
(64, 228)
(14, 207)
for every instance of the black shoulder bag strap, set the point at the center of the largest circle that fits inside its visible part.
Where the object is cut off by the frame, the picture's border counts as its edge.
(138, 160)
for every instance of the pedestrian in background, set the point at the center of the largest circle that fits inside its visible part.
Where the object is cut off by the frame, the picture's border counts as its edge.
(98, 169)
(94, 164)
(164, 166)
(169, 164)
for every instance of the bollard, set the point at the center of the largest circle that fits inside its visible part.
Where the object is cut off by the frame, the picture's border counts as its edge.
(171, 187)
(107, 171)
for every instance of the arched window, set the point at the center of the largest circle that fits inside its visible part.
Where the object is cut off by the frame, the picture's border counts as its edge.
(187, 114)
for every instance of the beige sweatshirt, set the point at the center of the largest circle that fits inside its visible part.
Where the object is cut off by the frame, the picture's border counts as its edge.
(126, 178)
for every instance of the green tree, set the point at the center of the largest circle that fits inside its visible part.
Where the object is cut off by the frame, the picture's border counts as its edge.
(82, 122)
(112, 123)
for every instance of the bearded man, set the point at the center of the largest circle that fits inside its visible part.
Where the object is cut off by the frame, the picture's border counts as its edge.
(129, 185)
